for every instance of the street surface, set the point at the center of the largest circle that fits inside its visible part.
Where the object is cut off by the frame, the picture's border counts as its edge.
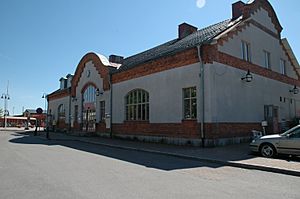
(34, 168)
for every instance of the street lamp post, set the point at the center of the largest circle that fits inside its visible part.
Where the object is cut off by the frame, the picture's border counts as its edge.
(47, 127)
(5, 97)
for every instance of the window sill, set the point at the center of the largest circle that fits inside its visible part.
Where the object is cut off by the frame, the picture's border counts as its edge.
(189, 120)
(136, 121)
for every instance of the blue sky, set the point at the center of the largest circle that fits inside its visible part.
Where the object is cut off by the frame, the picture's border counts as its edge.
(42, 40)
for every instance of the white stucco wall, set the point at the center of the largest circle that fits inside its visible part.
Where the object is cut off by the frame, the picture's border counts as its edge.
(165, 93)
(54, 104)
(98, 81)
(259, 41)
(262, 17)
(233, 100)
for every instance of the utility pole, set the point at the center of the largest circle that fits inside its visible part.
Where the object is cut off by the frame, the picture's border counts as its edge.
(5, 97)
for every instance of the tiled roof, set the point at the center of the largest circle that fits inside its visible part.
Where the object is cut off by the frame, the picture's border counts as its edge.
(201, 36)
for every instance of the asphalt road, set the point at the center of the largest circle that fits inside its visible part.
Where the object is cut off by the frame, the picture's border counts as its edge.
(32, 168)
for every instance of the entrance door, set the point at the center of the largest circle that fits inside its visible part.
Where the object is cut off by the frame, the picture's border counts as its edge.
(271, 116)
(89, 109)
(89, 121)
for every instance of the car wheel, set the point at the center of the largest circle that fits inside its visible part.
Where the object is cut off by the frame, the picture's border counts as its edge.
(267, 150)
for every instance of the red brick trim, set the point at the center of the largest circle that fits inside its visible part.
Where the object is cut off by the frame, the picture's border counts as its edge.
(87, 85)
(59, 94)
(290, 59)
(161, 64)
(76, 126)
(61, 124)
(233, 32)
(251, 8)
(265, 29)
(101, 127)
(188, 129)
(209, 50)
(102, 70)
(244, 65)
(230, 130)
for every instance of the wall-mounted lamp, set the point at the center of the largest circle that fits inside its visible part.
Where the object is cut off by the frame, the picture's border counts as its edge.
(98, 92)
(295, 90)
(248, 77)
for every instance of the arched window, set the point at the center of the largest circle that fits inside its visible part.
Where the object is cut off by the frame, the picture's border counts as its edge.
(89, 108)
(61, 112)
(89, 94)
(137, 105)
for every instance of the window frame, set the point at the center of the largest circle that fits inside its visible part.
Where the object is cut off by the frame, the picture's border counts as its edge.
(102, 110)
(282, 66)
(190, 99)
(137, 106)
(267, 59)
(246, 51)
(61, 112)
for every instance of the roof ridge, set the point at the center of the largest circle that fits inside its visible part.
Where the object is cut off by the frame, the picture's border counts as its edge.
(175, 45)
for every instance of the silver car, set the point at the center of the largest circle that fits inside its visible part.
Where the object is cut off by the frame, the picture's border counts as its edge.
(271, 145)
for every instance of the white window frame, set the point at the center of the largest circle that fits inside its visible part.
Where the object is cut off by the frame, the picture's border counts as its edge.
(246, 51)
(282, 66)
(189, 99)
(137, 105)
(267, 59)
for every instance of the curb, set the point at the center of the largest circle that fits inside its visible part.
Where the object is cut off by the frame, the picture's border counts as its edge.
(215, 161)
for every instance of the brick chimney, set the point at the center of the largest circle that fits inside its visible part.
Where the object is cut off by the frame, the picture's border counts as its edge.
(237, 9)
(116, 59)
(185, 29)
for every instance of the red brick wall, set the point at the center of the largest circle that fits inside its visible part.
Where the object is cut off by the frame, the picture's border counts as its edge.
(76, 126)
(230, 130)
(101, 127)
(165, 63)
(186, 129)
(61, 125)
(244, 65)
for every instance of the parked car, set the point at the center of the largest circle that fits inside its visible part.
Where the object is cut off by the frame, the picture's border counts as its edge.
(285, 143)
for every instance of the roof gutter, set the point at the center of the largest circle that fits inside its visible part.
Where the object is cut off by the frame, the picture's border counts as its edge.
(202, 97)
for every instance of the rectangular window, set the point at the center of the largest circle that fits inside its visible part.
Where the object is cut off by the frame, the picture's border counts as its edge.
(102, 110)
(246, 51)
(267, 59)
(76, 114)
(190, 103)
(282, 67)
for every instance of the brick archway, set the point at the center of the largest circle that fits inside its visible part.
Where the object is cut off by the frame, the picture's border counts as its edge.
(99, 63)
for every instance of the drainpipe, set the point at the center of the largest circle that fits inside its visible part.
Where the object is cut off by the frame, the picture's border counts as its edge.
(111, 96)
(201, 75)
(69, 126)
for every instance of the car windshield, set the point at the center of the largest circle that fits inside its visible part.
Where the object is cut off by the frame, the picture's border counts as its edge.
(290, 130)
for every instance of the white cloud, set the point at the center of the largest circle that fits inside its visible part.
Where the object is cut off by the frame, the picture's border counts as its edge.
(200, 3)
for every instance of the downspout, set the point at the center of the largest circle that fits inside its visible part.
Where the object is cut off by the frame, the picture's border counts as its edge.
(111, 95)
(201, 75)
(69, 126)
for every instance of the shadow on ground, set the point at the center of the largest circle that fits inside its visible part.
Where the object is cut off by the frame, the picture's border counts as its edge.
(150, 160)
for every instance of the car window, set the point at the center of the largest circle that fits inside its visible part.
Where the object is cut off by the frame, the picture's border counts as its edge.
(294, 129)
(295, 134)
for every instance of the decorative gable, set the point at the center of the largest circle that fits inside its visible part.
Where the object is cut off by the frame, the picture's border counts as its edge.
(247, 10)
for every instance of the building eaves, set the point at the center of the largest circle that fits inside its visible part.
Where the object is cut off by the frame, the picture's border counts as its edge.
(202, 36)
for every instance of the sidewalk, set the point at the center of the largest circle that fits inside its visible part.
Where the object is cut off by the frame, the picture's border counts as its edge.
(234, 155)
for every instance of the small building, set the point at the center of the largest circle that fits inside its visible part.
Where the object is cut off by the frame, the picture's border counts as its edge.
(208, 86)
